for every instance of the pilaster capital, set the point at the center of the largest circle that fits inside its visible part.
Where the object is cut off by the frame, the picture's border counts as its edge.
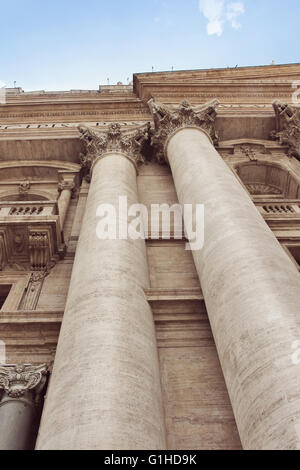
(115, 140)
(17, 380)
(287, 127)
(169, 119)
(66, 185)
(67, 181)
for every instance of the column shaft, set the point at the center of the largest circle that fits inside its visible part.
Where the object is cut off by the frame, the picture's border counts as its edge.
(252, 293)
(105, 388)
(17, 424)
(63, 205)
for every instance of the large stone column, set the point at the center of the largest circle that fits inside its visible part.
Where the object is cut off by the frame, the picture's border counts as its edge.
(105, 390)
(250, 286)
(21, 398)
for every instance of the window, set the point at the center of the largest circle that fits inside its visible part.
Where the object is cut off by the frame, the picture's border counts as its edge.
(295, 252)
(4, 291)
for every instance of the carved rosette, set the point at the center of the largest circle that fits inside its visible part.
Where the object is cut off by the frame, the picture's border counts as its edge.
(115, 139)
(168, 119)
(17, 381)
(287, 127)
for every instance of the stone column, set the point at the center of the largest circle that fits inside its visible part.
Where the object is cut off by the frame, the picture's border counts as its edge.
(251, 287)
(21, 398)
(105, 390)
(66, 189)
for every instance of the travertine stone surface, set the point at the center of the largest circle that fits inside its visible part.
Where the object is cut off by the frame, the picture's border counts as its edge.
(251, 290)
(105, 390)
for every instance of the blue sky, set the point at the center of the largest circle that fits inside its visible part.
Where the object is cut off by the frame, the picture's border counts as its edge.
(71, 44)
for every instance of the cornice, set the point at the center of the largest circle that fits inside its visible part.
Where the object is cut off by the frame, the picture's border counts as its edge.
(269, 72)
(231, 92)
(100, 110)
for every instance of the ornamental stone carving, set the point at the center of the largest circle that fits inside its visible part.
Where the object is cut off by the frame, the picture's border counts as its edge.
(38, 250)
(17, 380)
(288, 127)
(168, 119)
(24, 188)
(33, 289)
(257, 189)
(115, 139)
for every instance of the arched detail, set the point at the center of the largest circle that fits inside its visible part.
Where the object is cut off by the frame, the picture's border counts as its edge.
(268, 179)
(267, 144)
(35, 195)
(55, 164)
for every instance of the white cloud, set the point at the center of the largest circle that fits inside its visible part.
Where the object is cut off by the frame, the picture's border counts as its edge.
(218, 12)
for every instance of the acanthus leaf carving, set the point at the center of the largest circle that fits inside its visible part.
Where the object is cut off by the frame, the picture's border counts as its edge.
(115, 139)
(167, 119)
(287, 127)
(17, 380)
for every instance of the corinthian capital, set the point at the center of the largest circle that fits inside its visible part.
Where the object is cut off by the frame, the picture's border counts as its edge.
(17, 380)
(98, 143)
(288, 126)
(168, 119)
(66, 185)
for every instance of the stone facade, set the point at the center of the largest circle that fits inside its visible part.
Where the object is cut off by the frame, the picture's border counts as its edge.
(148, 345)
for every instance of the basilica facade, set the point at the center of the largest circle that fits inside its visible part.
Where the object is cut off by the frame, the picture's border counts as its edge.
(143, 343)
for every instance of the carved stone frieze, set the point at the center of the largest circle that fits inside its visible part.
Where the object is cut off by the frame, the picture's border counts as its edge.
(16, 381)
(250, 151)
(98, 143)
(167, 119)
(288, 127)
